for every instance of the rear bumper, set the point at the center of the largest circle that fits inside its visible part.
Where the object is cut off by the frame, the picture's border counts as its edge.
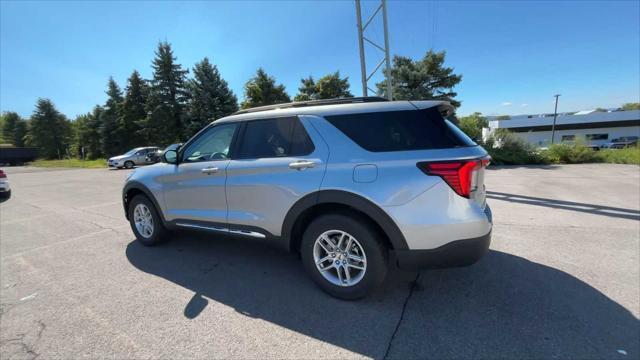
(454, 254)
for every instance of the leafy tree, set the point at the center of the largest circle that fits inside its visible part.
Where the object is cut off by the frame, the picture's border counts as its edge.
(209, 97)
(330, 86)
(262, 90)
(49, 130)
(631, 106)
(14, 129)
(601, 109)
(307, 91)
(472, 125)
(110, 139)
(167, 99)
(133, 112)
(425, 79)
(503, 117)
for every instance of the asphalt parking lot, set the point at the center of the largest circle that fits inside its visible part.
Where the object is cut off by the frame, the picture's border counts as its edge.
(561, 280)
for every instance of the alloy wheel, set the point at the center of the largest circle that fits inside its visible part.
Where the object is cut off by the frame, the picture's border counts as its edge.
(143, 220)
(340, 258)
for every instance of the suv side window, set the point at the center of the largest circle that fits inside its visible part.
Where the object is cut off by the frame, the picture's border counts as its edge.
(279, 137)
(214, 144)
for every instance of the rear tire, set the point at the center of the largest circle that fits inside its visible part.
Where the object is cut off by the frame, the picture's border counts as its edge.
(128, 164)
(366, 244)
(146, 222)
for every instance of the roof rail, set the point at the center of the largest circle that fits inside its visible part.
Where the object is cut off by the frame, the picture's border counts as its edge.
(352, 100)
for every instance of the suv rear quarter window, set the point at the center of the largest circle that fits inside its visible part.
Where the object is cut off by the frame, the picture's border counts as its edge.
(401, 130)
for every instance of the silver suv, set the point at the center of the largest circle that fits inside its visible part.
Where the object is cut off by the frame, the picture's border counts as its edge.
(343, 182)
(137, 156)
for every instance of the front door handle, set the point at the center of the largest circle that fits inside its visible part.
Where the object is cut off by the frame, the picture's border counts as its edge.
(302, 164)
(209, 170)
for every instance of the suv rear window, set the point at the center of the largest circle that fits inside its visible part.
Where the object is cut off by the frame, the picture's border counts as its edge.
(401, 130)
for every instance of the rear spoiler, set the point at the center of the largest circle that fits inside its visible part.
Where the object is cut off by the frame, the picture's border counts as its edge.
(444, 107)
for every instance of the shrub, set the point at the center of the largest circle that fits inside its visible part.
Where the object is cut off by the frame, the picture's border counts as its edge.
(575, 153)
(622, 156)
(506, 148)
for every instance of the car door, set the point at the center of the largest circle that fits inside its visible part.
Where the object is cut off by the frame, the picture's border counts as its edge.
(278, 161)
(139, 156)
(194, 192)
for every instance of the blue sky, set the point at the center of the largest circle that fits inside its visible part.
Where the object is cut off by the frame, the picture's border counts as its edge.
(513, 55)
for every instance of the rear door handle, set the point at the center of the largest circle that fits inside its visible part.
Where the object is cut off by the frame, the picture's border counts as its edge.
(209, 170)
(302, 164)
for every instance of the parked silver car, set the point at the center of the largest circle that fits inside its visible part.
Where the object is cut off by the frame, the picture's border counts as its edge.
(343, 182)
(137, 156)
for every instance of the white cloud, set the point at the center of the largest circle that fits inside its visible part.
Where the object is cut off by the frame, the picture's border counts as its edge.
(506, 103)
(524, 105)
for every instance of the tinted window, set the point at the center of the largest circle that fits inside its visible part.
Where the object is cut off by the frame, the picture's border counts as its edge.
(597, 136)
(274, 138)
(213, 144)
(401, 130)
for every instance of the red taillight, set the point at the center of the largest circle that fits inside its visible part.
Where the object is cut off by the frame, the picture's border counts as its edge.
(2, 174)
(458, 174)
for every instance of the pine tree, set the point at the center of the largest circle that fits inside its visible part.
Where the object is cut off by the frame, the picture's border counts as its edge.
(93, 135)
(426, 79)
(133, 112)
(330, 86)
(209, 97)
(262, 90)
(307, 91)
(110, 139)
(167, 98)
(14, 129)
(49, 130)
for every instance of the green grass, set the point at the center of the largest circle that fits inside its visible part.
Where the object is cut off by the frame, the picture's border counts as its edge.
(621, 156)
(71, 163)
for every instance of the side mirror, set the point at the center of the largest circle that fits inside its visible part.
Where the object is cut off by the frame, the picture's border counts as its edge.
(170, 157)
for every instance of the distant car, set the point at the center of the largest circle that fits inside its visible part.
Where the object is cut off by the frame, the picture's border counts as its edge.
(5, 189)
(133, 157)
(154, 156)
(621, 142)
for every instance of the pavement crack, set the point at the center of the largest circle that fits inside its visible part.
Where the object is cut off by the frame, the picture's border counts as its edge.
(414, 284)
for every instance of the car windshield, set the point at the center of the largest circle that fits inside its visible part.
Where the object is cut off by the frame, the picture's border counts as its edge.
(131, 152)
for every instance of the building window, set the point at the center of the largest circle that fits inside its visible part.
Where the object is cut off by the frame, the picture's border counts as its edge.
(568, 138)
(597, 136)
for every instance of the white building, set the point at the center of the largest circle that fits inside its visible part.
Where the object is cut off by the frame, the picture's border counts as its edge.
(593, 127)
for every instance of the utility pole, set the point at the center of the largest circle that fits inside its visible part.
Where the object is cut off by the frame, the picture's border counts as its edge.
(555, 115)
(362, 38)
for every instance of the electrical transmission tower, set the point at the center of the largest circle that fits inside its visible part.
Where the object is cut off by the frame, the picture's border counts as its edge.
(362, 38)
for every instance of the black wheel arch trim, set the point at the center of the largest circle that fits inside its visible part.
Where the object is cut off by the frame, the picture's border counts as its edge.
(131, 185)
(352, 200)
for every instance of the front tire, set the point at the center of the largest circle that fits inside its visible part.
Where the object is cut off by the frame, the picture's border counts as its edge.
(128, 164)
(146, 222)
(344, 255)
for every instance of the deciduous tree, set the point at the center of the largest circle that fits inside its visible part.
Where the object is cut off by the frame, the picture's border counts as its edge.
(14, 128)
